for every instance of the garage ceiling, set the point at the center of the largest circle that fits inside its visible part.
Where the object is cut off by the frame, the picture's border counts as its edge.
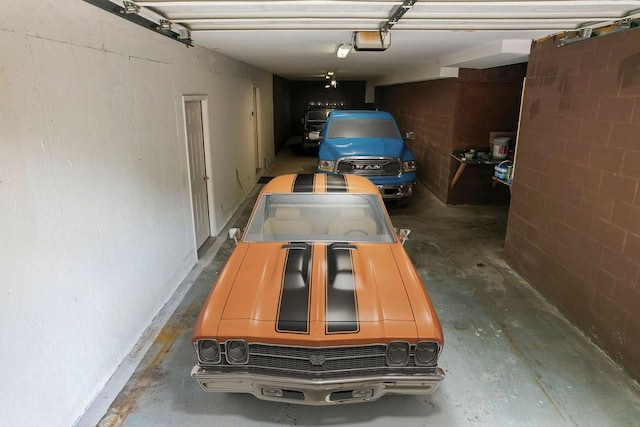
(298, 39)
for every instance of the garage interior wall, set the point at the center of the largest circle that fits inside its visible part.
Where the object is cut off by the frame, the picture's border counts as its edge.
(281, 111)
(452, 114)
(427, 109)
(96, 223)
(302, 92)
(574, 221)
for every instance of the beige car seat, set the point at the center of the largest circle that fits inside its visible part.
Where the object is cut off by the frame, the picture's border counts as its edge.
(288, 221)
(353, 222)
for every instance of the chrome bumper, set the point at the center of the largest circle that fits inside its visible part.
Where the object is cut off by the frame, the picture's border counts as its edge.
(394, 192)
(317, 392)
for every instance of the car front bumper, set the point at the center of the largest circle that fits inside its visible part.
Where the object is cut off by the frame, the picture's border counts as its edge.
(317, 392)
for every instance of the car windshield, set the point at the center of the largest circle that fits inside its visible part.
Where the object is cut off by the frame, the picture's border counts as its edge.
(319, 217)
(317, 115)
(363, 128)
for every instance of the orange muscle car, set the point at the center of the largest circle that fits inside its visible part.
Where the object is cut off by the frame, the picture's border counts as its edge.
(319, 303)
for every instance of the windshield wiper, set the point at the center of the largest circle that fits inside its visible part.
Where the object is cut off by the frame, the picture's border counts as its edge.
(342, 246)
(295, 245)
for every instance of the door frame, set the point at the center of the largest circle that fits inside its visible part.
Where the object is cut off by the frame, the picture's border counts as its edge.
(257, 143)
(206, 135)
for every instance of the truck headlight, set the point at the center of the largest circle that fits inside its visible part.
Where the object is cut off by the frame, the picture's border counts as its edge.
(409, 166)
(237, 352)
(326, 165)
(427, 353)
(208, 351)
(397, 353)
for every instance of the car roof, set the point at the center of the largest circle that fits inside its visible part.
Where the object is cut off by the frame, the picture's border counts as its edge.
(320, 183)
(373, 114)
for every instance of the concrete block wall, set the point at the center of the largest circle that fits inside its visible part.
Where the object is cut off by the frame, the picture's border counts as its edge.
(488, 101)
(574, 222)
(428, 110)
(96, 219)
(453, 114)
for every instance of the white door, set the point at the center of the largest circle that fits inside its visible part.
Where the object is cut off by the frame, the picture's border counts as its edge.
(199, 178)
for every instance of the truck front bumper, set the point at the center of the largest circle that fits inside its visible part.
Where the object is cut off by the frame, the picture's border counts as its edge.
(396, 191)
(317, 392)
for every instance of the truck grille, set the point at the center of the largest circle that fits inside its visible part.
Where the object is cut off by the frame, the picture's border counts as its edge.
(374, 166)
(317, 362)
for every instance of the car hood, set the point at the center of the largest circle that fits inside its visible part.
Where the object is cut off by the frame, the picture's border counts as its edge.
(319, 292)
(347, 147)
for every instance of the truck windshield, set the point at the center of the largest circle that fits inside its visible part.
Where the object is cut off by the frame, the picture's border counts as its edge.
(363, 128)
(317, 115)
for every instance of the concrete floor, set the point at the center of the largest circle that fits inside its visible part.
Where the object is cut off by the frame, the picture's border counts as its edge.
(510, 358)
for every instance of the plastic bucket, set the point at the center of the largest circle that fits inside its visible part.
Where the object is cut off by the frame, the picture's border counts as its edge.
(502, 169)
(500, 148)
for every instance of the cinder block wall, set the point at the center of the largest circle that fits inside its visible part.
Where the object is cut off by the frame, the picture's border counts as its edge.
(488, 100)
(453, 114)
(574, 222)
(428, 110)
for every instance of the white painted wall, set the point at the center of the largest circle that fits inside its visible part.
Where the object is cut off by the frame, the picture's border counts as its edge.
(95, 218)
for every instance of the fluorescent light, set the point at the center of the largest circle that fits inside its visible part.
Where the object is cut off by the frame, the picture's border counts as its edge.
(343, 50)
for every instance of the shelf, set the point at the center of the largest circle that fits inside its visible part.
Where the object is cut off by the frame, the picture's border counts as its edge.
(463, 164)
(501, 181)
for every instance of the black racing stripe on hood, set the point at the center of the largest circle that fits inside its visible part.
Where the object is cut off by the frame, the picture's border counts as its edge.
(295, 294)
(303, 183)
(336, 184)
(341, 305)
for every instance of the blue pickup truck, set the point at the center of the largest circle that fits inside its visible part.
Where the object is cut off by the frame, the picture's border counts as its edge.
(368, 143)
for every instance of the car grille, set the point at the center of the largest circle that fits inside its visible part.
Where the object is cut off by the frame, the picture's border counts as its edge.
(321, 362)
(374, 166)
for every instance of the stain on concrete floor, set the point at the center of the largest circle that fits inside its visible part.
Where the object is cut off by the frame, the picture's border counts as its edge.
(510, 358)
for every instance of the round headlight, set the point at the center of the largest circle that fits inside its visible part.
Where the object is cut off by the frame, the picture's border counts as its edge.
(427, 353)
(209, 350)
(397, 353)
(237, 351)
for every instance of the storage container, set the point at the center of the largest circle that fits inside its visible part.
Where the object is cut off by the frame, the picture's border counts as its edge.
(502, 169)
(500, 147)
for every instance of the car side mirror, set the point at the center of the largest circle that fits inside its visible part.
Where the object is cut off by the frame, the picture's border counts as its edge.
(235, 234)
(403, 235)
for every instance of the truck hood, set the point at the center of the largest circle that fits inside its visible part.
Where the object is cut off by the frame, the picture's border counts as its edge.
(320, 292)
(348, 147)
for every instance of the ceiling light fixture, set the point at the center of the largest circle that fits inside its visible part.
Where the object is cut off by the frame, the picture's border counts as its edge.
(343, 50)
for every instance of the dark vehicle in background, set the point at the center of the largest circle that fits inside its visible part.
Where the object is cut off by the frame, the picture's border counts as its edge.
(315, 116)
